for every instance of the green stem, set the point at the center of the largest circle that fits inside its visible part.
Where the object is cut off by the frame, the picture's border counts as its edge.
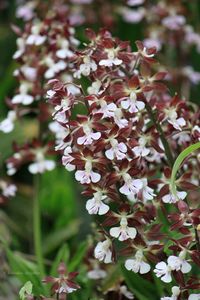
(162, 135)
(37, 229)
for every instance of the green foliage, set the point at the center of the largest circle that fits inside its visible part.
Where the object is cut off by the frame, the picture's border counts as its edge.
(25, 271)
(141, 287)
(183, 155)
(26, 290)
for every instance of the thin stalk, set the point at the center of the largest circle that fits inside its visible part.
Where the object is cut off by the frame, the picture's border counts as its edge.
(37, 228)
(197, 239)
(162, 135)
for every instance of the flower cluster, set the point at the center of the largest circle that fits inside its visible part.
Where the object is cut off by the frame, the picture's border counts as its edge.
(122, 150)
(170, 31)
(44, 50)
(64, 284)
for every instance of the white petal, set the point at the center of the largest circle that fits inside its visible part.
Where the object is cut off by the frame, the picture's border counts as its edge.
(181, 195)
(166, 278)
(96, 136)
(140, 105)
(33, 168)
(110, 154)
(125, 104)
(81, 140)
(186, 267)
(131, 232)
(129, 264)
(95, 177)
(103, 209)
(115, 231)
(144, 267)
(79, 175)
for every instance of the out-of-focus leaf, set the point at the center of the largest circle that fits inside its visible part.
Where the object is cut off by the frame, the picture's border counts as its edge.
(24, 271)
(112, 278)
(63, 255)
(178, 163)
(78, 257)
(141, 287)
(26, 289)
(57, 237)
(57, 196)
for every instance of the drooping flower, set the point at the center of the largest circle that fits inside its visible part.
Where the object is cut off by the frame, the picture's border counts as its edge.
(123, 232)
(163, 271)
(87, 175)
(96, 204)
(137, 264)
(7, 125)
(102, 251)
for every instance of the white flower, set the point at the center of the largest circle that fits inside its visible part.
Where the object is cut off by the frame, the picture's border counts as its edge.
(65, 288)
(194, 297)
(137, 265)
(7, 125)
(41, 164)
(50, 94)
(23, 97)
(141, 150)
(53, 67)
(182, 137)
(26, 11)
(174, 22)
(192, 75)
(29, 72)
(102, 251)
(35, 38)
(96, 205)
(131, 186)
(21, 48)
(117, 150)
(133, 15)
(163, 271)
(147, 192)
(108, 110)
(67, 159)
(11, 170)
(63, 51)
(87, 175)
(96, 274)
(86, 67)
(179, 263)
(8, 190)
(123, 232)
(132, 104)
(94, 88)
(172, 118)
(153, 42)
(111, 60)
(135, 2)
(89, 136)
(118, 118)
(171, 198)
(175, 293)
(124, 291)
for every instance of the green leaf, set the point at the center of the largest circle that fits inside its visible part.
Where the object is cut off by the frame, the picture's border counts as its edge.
(186, 152)
(63, 255)
(78, 257)
(141, 287)
(57, 237)
(24, 270)
(26, 290)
